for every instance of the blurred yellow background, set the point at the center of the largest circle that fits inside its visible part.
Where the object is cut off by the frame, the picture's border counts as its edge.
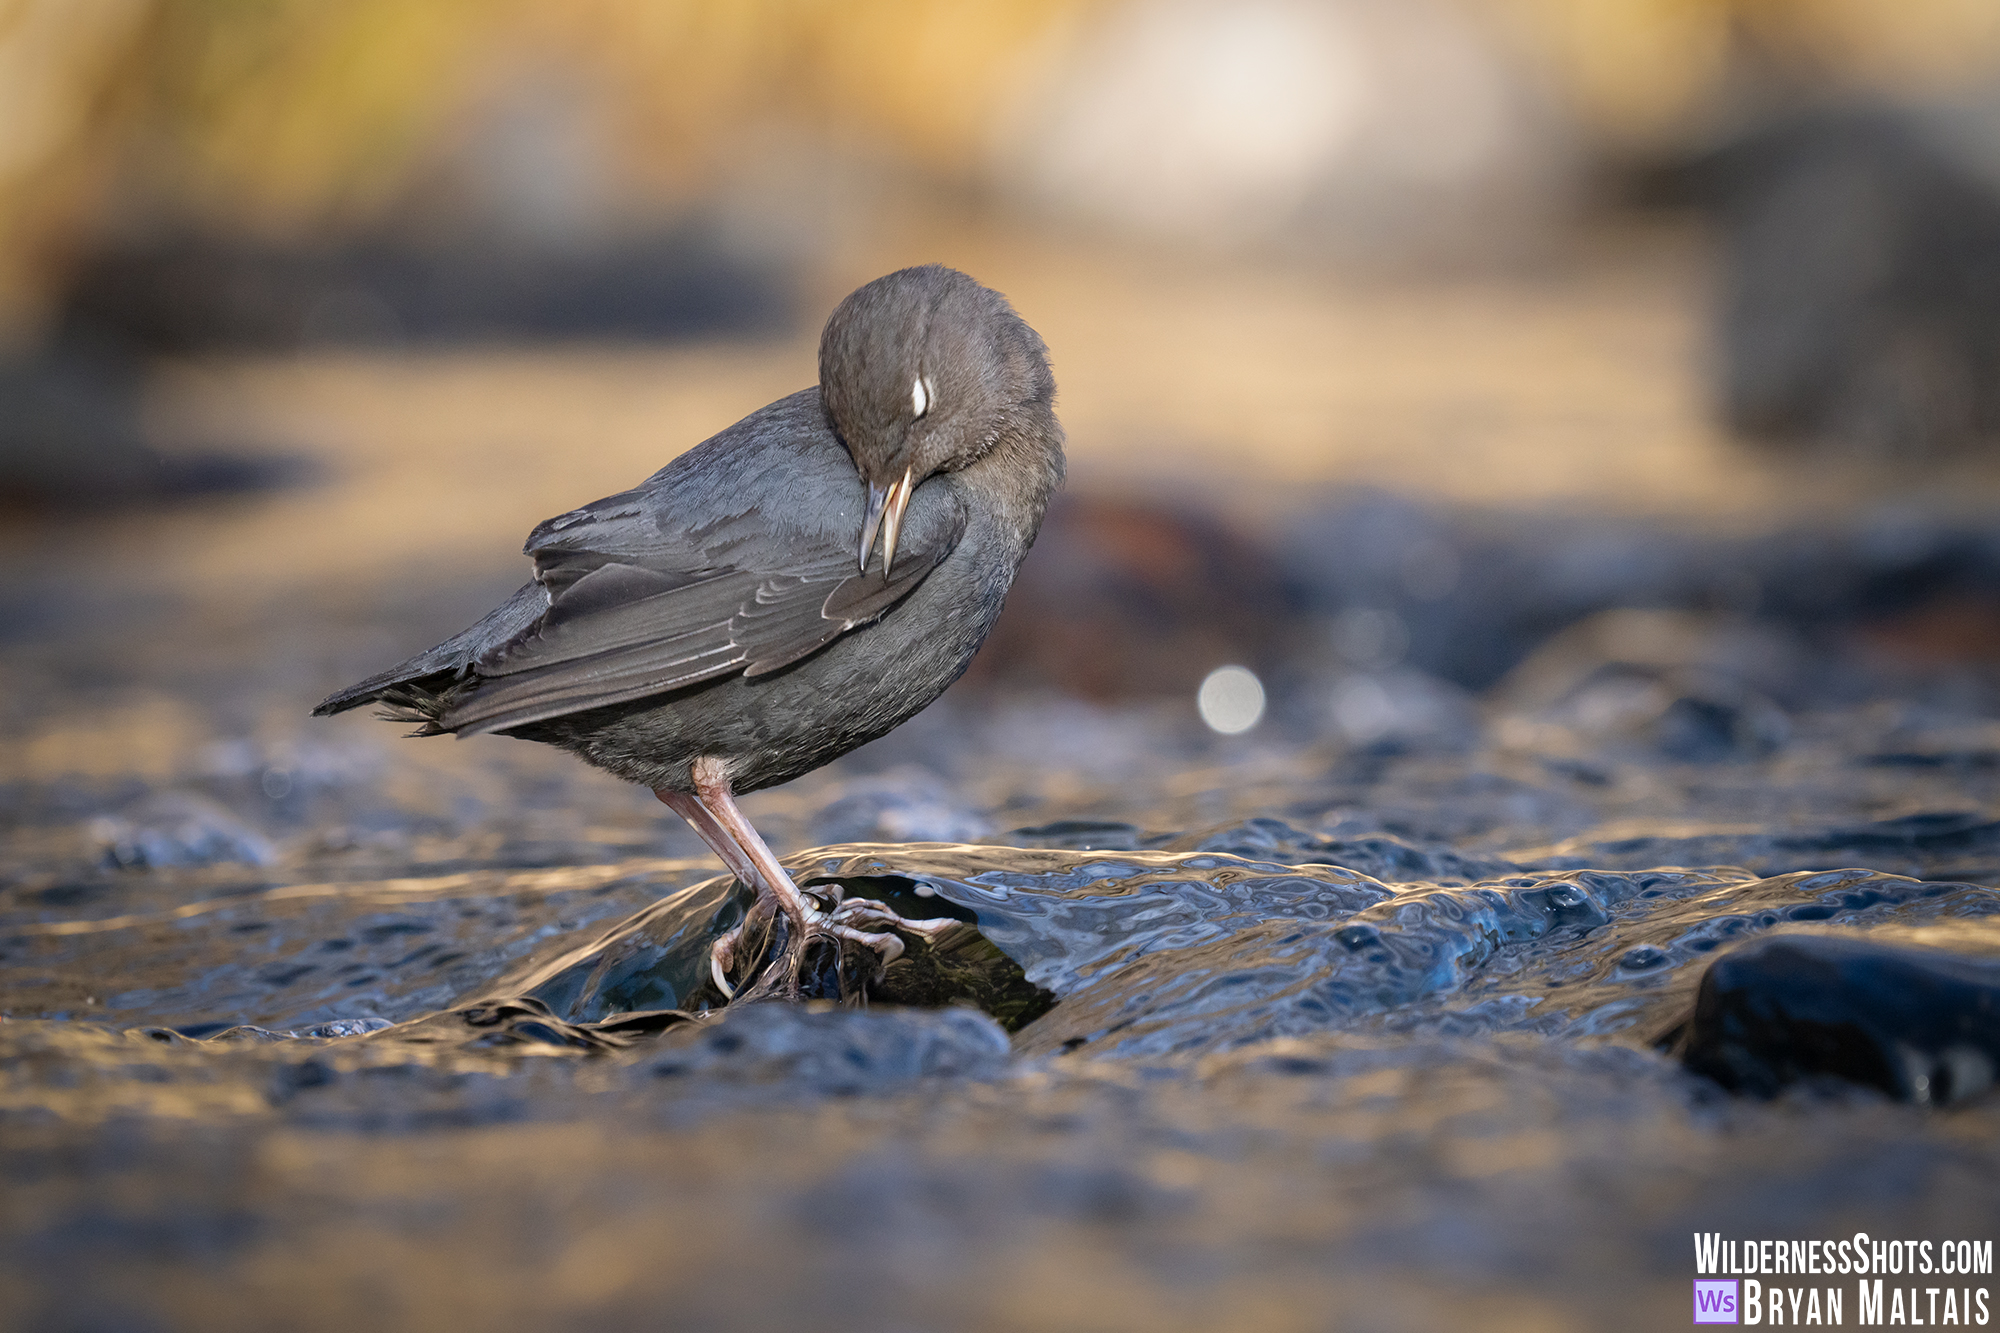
(290, 118)
(1255, 345)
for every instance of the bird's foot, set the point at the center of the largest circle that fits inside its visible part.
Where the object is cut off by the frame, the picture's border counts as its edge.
(724, 949)
(861, 921)
(853, 913)
(748, 941)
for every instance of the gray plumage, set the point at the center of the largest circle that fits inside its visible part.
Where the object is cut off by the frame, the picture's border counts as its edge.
(717, 609)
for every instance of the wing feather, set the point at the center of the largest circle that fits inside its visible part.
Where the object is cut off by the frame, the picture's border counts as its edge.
(621, 631)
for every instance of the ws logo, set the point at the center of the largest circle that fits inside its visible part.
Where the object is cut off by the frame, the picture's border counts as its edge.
(1715, 1300)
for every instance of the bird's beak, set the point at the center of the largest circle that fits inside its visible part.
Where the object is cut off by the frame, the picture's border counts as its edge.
(885, 511)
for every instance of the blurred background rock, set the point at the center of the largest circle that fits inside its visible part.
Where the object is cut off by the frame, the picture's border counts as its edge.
(1394, 336)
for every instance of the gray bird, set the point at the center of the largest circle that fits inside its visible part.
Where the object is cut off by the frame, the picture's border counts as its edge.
(726, 625)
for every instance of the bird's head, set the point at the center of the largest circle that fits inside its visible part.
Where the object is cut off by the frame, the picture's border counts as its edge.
(923, 371)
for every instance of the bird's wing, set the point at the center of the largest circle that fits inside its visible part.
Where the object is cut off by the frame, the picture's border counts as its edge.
(618, 629)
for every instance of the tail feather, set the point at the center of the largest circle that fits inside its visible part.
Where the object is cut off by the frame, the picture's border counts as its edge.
(411, 702)
(420, 689)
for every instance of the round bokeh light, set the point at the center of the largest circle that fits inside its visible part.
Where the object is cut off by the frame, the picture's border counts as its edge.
(1231, 699)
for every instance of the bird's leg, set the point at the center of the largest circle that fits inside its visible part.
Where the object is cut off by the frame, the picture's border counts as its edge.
(713, 813)
(722, 953)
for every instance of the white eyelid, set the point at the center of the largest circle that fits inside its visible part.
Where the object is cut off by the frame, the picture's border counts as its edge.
(920, 397)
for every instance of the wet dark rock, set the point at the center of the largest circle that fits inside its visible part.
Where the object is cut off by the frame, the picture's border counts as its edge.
(1921, 1024)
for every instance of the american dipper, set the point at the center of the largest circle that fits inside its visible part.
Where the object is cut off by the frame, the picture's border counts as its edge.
(725, 626)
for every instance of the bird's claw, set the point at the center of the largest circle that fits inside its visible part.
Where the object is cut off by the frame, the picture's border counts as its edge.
(871, 912)
(848, 921)
(887, 945)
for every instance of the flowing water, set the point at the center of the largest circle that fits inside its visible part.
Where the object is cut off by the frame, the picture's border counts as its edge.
(320, 1028)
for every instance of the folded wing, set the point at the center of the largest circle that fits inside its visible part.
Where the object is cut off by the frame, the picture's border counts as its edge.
(620, 630)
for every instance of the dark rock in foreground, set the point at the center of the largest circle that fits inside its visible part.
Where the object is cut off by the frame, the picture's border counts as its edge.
(1921, 1024)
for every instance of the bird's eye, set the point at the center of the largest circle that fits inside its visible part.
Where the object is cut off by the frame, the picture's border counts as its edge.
(920, 398)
